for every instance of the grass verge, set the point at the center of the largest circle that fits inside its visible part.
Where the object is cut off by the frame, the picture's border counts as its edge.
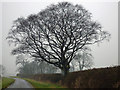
(6, 82)
(14, 77)
(37, 84)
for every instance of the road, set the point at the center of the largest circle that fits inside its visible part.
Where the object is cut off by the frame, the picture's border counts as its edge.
(20, 83)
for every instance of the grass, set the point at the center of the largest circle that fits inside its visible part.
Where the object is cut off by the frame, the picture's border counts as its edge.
(6, 82)
(14, 77)
(37, 84)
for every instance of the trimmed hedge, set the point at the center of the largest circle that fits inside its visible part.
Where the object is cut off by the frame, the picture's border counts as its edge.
(93, 78)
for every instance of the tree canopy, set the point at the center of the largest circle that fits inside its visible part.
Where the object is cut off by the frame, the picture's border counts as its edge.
(56, 34)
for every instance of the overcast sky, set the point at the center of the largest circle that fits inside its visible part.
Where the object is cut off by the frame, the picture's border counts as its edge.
(106, 13)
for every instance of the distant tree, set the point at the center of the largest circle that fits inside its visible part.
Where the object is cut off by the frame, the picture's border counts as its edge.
(20, 59)
(47, 68)
(32, 68)
(56, 34)
(83, 59)
(2, 70)
(72, 66)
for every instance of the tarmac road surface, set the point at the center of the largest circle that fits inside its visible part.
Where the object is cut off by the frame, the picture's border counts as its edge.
(20, 83)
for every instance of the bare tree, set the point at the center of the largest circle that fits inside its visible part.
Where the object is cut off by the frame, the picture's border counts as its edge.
(72, 66)
(2, 70)
(55, 34)
(31, 68)
(83, 59)
(21, 60)
(28, 67)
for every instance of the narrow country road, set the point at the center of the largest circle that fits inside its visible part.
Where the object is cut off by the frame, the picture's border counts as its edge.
(20, 83)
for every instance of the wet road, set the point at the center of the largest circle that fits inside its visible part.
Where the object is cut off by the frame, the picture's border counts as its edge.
(20, 83)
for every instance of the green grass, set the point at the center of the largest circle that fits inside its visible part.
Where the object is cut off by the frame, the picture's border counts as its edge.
(6, 82)
(14, 77)
(37, 84)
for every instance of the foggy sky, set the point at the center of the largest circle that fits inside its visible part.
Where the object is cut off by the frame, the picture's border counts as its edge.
(106, 13)
(1, 33)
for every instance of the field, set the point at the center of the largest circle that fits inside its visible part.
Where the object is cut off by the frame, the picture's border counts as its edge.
(6, 82)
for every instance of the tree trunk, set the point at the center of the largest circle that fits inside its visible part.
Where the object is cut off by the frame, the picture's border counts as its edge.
(65, 71)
